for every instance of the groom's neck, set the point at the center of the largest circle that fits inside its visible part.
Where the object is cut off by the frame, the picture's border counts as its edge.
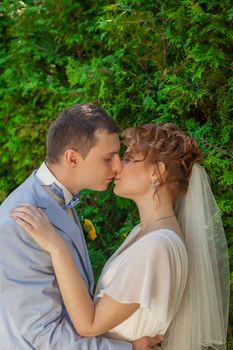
(60, 173)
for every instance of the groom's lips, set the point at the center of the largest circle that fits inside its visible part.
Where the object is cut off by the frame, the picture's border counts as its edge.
(110, 179)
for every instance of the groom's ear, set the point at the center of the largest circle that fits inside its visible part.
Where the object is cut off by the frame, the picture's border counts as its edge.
(71, 158)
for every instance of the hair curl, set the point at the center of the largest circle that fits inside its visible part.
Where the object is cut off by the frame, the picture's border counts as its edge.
(165, 143)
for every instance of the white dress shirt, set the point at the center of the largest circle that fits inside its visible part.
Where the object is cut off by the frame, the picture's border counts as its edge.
(46, 178)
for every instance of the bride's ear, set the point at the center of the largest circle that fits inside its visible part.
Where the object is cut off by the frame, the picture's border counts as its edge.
(159, 170)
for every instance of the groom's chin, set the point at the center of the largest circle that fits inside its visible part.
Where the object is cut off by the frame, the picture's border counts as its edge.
(101, 188)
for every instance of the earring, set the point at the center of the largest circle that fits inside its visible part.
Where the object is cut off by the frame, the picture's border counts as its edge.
(154, 184)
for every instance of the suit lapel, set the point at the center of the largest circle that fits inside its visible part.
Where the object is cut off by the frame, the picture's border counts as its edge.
(88, 263)
(58, 217)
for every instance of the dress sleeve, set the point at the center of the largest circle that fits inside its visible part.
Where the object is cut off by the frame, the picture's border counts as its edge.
(150, 273)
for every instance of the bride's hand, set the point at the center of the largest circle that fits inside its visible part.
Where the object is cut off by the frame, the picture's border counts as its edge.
(36, 224)
(145, 343)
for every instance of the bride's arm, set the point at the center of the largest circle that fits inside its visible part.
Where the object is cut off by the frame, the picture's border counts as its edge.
(89, 319)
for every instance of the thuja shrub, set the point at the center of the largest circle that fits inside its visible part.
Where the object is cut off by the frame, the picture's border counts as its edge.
(142, 61)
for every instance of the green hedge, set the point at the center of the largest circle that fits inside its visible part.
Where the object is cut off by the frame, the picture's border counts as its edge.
(142, 61)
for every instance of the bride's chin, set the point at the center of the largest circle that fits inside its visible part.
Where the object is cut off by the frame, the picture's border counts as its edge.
(115, 191)
(119, 193)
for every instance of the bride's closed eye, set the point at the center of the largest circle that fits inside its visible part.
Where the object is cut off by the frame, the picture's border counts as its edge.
(127, 159)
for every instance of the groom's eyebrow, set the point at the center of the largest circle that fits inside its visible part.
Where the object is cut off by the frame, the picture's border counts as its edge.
(111, 153)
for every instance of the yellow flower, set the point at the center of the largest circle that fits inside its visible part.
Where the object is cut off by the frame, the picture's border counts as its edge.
(90, 229)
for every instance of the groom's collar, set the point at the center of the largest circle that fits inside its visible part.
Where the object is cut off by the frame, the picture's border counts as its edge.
(52, 209)
(46, 178)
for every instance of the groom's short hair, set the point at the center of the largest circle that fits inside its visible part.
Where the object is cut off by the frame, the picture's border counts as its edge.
(75, 128)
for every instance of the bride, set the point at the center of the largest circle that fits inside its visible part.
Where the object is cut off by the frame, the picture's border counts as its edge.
(170, 277)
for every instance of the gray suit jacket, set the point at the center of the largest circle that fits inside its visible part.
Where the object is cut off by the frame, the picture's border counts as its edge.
(32, 314)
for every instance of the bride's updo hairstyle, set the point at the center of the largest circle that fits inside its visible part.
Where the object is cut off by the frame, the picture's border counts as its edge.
(159, 142)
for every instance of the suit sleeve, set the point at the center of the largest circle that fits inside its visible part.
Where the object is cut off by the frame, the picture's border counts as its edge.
(31, 298)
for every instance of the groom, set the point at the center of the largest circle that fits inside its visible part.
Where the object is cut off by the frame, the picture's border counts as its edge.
(82, 152)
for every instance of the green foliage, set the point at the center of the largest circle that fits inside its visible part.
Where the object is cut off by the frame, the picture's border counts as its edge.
(143, 61)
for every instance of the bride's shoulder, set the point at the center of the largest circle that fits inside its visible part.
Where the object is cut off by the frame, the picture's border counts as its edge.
(163, 237)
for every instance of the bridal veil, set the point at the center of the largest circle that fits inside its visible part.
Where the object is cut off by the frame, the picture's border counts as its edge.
(202, 318)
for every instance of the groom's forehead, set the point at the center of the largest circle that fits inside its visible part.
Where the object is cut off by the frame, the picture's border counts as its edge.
(106, 143)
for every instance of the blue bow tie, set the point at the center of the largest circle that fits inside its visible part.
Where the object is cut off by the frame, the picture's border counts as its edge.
(58, 191)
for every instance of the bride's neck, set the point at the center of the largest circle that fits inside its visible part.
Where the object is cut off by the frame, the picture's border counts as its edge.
(152, 209)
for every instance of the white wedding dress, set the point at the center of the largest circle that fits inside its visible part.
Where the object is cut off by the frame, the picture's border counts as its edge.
(152, 272)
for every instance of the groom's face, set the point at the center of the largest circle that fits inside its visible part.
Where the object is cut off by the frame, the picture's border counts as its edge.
(102, 162)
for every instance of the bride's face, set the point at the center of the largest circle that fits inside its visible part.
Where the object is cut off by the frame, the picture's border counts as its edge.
(134, 179)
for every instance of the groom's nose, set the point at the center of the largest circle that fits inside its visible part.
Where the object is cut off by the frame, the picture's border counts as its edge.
(116, 164)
